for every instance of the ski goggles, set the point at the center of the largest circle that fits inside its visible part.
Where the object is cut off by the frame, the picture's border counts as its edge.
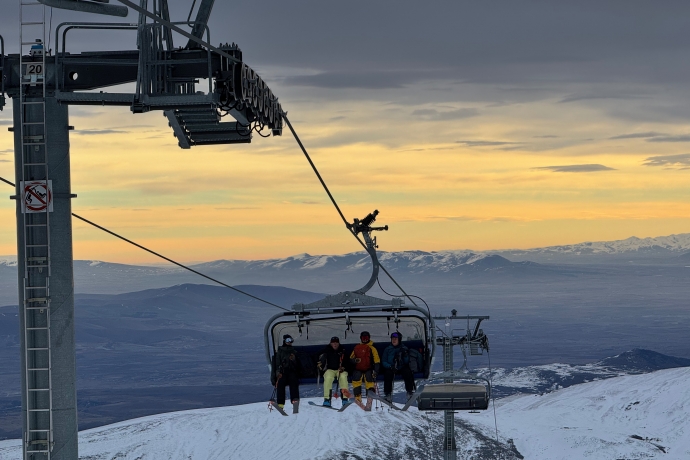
(335, 340)
(289, 340)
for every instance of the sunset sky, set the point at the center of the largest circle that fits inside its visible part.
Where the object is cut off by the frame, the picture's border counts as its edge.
(469, 125)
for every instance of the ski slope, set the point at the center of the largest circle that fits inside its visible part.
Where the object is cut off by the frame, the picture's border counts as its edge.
(630, 417)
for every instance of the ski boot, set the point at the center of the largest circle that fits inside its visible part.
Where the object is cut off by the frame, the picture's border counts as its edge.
(326, 402)
(295, 406)
(389, 398)
(346, 397)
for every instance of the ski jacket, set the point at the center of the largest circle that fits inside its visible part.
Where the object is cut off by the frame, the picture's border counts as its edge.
(333, 359)
(367, 355)
(284, 361)
(395, 357)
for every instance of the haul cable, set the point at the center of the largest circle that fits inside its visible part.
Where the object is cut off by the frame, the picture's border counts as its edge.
(167, 258)
(328, 192)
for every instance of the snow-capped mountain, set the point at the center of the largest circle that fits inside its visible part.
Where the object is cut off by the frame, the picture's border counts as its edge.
(628, 417)
(661, 246)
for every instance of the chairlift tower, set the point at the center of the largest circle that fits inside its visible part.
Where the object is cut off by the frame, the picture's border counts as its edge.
(476, 341)
(42, 85)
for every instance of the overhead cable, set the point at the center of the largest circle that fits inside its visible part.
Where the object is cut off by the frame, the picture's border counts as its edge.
(337, 208)
(167, 258)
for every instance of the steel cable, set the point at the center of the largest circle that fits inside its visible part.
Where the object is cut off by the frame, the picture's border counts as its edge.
(328, 192)
(167, 258)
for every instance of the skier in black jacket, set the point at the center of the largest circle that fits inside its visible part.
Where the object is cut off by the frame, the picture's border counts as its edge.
(286, 371)
(332, 362)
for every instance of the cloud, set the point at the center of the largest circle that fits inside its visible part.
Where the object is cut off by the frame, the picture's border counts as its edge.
(435, 115)
(311, 202)
(575, 168)
(587, 97)
(382, 79)
(680, 138)
(485, 143)
(680, 161)
(4, 161)
(6, 151)
(480, 219)
(548, 136)
(638, 135)
(91, 132)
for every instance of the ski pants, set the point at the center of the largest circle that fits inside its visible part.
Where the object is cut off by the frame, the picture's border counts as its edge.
(389, 375)
(288, 379)
(328, 378)
(357, 377)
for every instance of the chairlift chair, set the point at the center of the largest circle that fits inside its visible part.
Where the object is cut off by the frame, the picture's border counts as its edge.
(346, 315)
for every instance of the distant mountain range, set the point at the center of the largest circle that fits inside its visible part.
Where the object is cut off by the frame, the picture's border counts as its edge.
(334, 273)
(659, 247)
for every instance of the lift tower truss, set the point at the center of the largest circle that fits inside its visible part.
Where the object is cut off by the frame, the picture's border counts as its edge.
(42, 85)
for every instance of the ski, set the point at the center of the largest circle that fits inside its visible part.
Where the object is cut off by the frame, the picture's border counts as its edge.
(278, 408)
(345, 406)
(412, 399)
(389, 404)
(312, 403)
(367, 407)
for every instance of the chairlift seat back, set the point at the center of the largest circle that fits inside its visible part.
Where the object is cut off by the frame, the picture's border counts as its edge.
(454, 396)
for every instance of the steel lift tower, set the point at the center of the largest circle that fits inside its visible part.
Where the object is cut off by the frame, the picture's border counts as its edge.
(42, 85)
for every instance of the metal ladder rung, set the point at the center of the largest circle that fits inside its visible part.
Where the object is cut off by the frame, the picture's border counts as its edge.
(39, 410)
(33, 83)
(32, 102)
(38, 349)
(33, 123)
(36, 245)
(36, 328)
(39, 389)
(32, 23)
(37, 299)
(35, 164)
(38, 369)
(35, 287)
(36, 225)
(37, 308)
(30, 43)
(39, 431)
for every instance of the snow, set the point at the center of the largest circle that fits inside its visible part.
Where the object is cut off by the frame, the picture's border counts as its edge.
(631, 417)
(601, 420)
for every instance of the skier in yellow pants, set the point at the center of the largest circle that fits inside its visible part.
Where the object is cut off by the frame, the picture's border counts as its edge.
(331, 359)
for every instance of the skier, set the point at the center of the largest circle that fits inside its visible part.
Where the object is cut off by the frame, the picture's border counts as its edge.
(332, 363)
(366, 361)
(286, 371)
(396, 360)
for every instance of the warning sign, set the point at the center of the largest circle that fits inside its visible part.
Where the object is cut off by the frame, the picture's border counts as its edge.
(37, 196)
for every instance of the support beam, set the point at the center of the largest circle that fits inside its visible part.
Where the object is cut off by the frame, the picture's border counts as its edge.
(202, 16)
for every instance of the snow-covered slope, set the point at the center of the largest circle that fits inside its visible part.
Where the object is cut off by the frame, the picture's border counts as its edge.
(629, 417)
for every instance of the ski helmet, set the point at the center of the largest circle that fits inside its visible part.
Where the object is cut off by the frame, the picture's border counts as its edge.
(335, 339)
(364, 336)
(396, 335)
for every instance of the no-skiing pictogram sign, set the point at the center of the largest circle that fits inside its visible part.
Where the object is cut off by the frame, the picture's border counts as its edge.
(37, 196)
